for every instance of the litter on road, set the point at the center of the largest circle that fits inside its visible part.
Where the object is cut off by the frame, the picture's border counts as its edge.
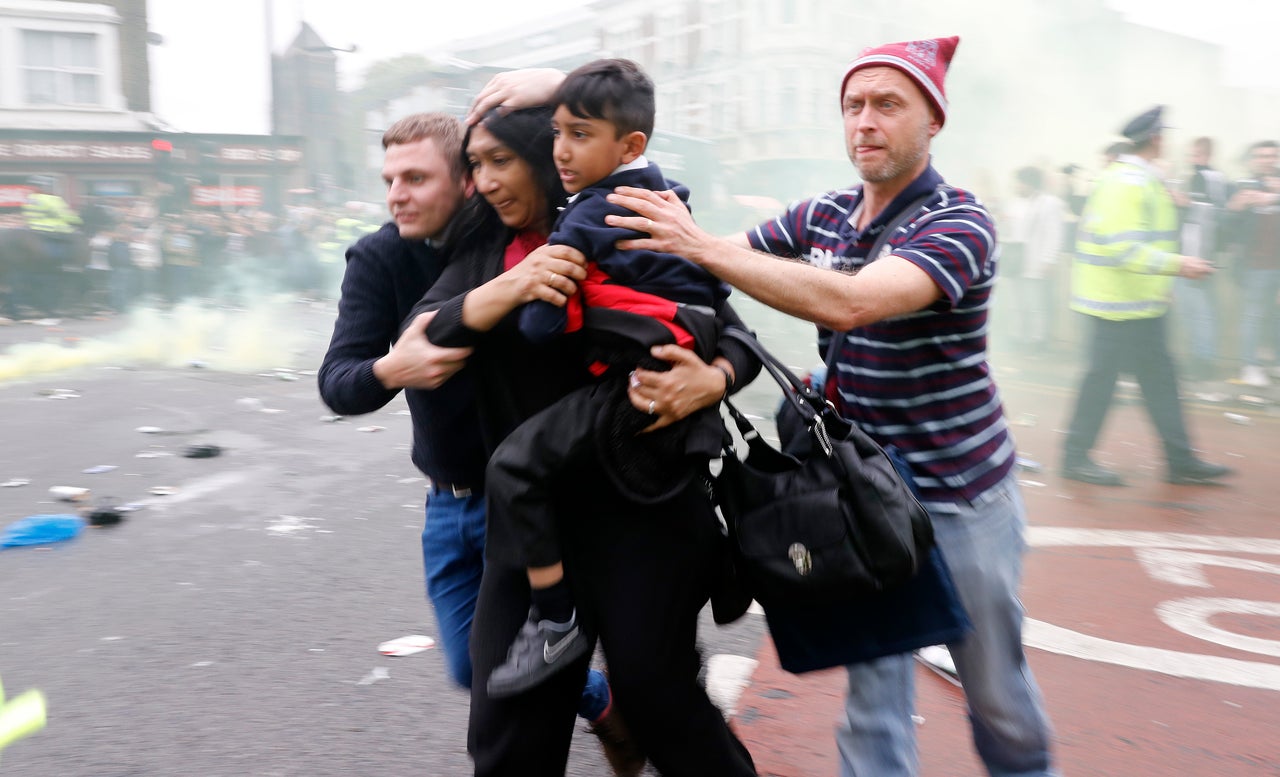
(406, 646)
(41, 530)
(68, 493)
(202, 451)
(378, 673)
(98, 470)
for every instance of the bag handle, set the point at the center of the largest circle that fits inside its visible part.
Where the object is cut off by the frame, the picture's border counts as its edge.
(808, 403)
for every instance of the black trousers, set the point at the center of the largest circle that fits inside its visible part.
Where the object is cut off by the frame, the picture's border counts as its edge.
(640, 576)
(1140, 348)
(539, 460)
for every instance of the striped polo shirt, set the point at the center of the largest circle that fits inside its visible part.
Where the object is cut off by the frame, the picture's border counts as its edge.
(919, 382)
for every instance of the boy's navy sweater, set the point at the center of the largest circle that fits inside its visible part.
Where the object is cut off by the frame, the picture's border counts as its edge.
(386, 275)
(582, 226)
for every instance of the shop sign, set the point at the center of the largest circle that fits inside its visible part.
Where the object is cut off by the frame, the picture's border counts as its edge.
(217, 196)
(28, 151)
(259, 154)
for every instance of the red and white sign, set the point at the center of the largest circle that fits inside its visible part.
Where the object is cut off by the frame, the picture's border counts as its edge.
(226, 195)
(12, 196)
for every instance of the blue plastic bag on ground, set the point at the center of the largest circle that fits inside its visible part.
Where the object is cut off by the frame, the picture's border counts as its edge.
(41, 530)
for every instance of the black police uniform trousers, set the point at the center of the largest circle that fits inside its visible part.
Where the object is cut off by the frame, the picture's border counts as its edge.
(1138, 347)
(640, 575)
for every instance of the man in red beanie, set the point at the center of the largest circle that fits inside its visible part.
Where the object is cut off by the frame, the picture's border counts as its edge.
(910, 367)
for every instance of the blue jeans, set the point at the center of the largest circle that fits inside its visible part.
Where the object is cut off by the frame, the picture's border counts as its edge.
(983, 546)
(453, 560)
(1260, 287)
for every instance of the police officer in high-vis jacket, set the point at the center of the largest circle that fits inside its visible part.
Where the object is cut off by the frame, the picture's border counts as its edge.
(51, 216)
(1122, 279)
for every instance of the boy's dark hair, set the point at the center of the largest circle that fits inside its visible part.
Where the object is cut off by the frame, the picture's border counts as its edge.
(1261, 144)
(615, 90)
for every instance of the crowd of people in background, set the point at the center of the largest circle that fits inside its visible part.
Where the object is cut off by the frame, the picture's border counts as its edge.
(126, 253)
(156, 251)
(1224, 328)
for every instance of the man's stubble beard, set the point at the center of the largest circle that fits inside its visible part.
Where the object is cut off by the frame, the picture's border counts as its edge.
(898, 161)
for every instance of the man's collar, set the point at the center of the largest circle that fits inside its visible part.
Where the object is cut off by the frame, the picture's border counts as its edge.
(924, 183)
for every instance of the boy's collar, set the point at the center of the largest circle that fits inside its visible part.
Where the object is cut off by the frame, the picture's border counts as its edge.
(639, 163)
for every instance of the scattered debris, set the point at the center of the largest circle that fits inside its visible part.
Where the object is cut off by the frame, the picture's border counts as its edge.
(1237, 418)
(406, 646)
(15, 482)
(162, 491)
(151, 454)
(197, 364)
(149, 429)
(202, 451)
(1028, 465)
(371, 428)
(41, 530)
(98, 470)
(60, 393)
(105, 516)
(69, 493)
(331, 419)
(378, 673)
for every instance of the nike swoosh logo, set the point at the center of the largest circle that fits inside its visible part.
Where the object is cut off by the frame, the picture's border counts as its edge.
(551, 653)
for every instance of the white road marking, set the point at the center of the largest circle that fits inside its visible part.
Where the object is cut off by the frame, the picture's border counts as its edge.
(1182, 567)
(1191, 616)
(1055, 639)
(1163, 556)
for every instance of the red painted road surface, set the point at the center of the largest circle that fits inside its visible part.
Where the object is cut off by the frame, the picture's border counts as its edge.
(1158, 651)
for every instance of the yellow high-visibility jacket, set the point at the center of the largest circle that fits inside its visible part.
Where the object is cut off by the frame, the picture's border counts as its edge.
(49, 213)
(1127, 245)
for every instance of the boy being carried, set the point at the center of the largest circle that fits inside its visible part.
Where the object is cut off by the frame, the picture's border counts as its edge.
(631, 301)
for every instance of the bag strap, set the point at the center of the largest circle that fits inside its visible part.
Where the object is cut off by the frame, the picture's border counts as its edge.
(908, 213)
(808, 403)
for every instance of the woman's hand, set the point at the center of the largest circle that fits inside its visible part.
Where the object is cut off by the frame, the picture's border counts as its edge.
(516, 89)
(550, 273)
(690, 385)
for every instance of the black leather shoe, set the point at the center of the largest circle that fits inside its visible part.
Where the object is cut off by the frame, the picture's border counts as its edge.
(1088, 472)
(1198, 473)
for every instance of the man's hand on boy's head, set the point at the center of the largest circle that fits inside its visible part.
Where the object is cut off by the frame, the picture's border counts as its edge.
(516, 89)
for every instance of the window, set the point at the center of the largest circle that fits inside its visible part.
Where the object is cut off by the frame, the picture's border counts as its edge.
(61, 68)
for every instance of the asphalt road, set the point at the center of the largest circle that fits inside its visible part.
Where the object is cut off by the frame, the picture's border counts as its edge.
(231, 627)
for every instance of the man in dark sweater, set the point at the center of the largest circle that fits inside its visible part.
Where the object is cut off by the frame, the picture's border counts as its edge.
(366, 365)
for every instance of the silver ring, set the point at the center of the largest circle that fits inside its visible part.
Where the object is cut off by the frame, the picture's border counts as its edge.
(648, 225)
(551, 277)
(652, 403)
